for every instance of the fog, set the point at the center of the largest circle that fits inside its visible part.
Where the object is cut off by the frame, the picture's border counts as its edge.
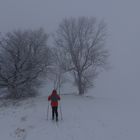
(123, 21)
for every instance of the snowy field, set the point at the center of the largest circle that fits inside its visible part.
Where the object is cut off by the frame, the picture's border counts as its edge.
(84, 118)
(112, 110)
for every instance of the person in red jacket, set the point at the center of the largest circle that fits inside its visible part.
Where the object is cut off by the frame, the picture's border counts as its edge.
(54, 97)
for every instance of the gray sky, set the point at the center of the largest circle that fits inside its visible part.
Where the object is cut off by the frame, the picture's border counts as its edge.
(121, 16)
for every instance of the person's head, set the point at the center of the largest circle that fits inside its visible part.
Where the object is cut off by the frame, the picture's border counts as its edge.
(54, 91)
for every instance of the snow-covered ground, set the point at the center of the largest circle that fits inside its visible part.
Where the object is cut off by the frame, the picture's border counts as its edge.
(84, 118)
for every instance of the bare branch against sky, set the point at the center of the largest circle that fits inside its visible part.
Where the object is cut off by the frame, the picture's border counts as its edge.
(121, 16)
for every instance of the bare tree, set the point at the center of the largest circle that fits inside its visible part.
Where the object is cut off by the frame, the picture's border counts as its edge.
(82, 43)
(57, 74)
(24, 56)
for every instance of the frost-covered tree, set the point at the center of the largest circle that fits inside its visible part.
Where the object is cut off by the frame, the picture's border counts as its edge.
(82, 42)
(57, 72)
(24, 57)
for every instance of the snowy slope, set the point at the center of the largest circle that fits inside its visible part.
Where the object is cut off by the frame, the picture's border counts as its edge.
(84, 118)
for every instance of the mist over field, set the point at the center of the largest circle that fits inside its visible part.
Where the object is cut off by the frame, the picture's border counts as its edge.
(114, 89)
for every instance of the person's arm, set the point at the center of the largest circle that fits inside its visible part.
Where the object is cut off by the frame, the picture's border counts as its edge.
(58, 97)
(49, 98)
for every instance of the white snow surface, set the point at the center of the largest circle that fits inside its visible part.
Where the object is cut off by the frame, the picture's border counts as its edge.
(84, 118)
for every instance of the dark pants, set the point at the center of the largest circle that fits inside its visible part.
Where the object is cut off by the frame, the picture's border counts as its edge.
(55, 113)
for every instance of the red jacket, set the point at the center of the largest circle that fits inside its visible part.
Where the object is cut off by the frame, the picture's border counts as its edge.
(54, 97)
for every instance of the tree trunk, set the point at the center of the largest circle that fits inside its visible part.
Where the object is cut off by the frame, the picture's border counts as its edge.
(80, 86)
(13, 92)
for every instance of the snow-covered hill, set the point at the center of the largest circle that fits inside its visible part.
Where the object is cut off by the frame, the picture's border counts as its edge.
(84, 118)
